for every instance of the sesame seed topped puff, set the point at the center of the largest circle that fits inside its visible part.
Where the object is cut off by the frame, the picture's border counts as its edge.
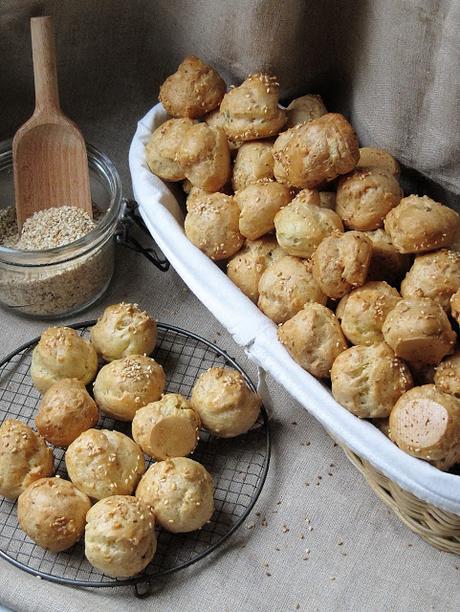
(254, 161)
(310, 153)
(193, 90)
(447, 374)
(251, 110)
(370, 157)
(161, 151)
(304, 109)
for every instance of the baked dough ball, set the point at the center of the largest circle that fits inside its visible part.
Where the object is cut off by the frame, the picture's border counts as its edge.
(308, 196)
(251, 110)
(167, 428)
(304, 109)
(247, 266)
(419, 224)
(52, 512)
(226, 405)
(365, 197)
(205, 157)
(122, 330)
(212, 225)
(192, 91)
(387, 264)
(258, 205)
(447, 375)
(180, 492)
(162, 149)
(101, 463)
(286, 286)
(62, 353)
(368, 380)
(434, 275)
(417, 329)
(313, 338)
(425, 423)
(254, 161)
(455, 306)
(120, 538)
(66, 410)
(216, 119)
(341, 262)
(363, 311)
(24, 458)
(370, 157)
(327, 199)
(125, 385)
(317, 151)
(300, 227)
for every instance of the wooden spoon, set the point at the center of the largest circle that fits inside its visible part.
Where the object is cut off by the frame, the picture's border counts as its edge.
(49, 153)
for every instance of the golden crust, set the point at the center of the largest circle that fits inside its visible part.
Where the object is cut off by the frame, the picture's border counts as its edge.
(247, 266)
(251, 110)
(387, 264)
(254, 161)
(161, 151)
(102, 463)
(193, 90)
(316, 151)
(52, 512)
(341, 262)
(24, 458)
(419, 224)
(425, 423)
(417, 329)
(259, 203)
(167, 428)
(455, 306)
(368, 380)
(123, 330)
(212, 225)
(180, 492)
(365, 197)
(370, 157)
(434, 275)
(125, 385)
(226, 405)
(120, 538)
(313, 338)
(304, 109)
(66, 410)
(205, 157)
(447, 375)
(285, 287)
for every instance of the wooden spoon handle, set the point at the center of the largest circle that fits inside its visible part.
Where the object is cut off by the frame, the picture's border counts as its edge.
(44, 59)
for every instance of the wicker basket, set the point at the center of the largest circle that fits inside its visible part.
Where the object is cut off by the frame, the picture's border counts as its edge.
(439, 528)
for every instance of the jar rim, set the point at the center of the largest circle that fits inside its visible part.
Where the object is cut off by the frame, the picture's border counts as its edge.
(104, 167)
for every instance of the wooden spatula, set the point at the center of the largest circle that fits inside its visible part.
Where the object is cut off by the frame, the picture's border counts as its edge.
(49, 153)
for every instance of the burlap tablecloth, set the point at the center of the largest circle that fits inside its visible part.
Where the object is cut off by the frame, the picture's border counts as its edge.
(403, 57)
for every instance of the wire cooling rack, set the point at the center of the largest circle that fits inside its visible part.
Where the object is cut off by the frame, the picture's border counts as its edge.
(238, 465)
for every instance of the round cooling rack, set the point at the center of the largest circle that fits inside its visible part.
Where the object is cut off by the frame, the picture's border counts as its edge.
(238, 466)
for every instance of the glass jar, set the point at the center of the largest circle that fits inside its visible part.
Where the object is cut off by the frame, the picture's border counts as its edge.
(64, 280)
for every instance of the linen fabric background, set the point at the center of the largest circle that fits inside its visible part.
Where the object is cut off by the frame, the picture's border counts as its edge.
(392, 67)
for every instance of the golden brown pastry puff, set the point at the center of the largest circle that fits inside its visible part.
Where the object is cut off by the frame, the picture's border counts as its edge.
(313, 338)
(447, 374)
(365, 197)
(120, 537)
(368, 380)
(212, 225)
(370, 157)
(193, 90)
(62, 353)
(226, 405)
(205, 157)
(254, 161)
(434, 275)
(341, 262)
(304, 109)
(52, 511)
(162, 149)
(417, 329)
(316, 151)
(251, 110)
(247, 266)
(419, 224)
(425, 423)
(180, 492)
(24, 458)
(123, 330)
(285, 286)
(65, 411)
(455, 306)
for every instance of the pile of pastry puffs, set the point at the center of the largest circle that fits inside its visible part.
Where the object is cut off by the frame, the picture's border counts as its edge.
(363, 282)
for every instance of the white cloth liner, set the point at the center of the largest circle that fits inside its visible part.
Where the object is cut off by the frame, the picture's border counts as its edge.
(257, 334)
